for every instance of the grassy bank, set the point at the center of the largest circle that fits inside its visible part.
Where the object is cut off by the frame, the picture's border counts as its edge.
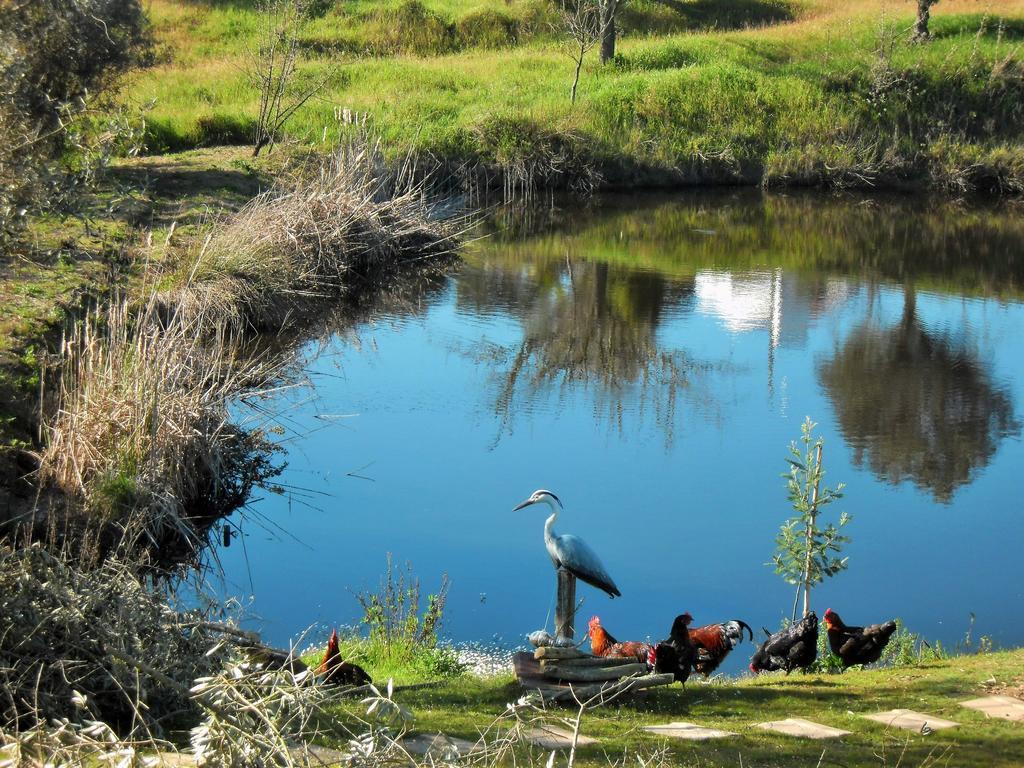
(816, 93)
(466, 706)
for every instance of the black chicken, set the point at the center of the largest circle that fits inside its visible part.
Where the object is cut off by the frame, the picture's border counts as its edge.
(857, 645)
(676, 654)
(794, 647)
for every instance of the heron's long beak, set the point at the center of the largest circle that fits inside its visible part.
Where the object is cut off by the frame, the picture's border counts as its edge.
(526, 503)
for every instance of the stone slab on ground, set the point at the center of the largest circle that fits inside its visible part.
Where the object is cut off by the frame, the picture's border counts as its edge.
(550, 737)
(436, 745)
(1006, 707)
(316, 756)
(172, 760)
(909, 720)
(688, 731)
(803, 729)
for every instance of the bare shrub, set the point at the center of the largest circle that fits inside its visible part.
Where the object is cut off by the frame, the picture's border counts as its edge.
(273, 68)
(581, 21)
(93, 645)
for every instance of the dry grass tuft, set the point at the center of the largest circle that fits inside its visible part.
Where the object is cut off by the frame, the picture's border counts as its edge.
(340, 223)
(140, 437)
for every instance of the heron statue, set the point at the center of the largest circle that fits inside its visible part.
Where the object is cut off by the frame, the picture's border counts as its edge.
(568, 551)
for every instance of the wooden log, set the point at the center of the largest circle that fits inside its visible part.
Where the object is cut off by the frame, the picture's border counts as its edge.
(593, 674)
(553, 652)
(565, 608)
(605, 690)
(589, 661)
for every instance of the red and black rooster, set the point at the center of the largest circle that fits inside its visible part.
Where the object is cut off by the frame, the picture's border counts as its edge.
(714, 641)
(675, 654)
(603, 644)
(857, 645)
(795, 647)
(335, 670)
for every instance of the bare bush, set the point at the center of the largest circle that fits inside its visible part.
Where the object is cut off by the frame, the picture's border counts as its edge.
(94, 645)
(581, 21)
(273, 68)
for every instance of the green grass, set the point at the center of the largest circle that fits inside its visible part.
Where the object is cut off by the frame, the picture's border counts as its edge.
(836, 97)
(404, 663)
(463, 707)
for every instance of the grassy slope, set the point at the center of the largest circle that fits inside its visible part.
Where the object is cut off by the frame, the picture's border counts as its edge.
(836, 92)
(463, 707)
(95, 254)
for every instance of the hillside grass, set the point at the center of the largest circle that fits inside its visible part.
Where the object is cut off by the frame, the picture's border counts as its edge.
(464, 707)
(812, 93)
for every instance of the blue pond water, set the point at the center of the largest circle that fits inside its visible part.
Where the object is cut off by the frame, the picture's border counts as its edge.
(649, 361)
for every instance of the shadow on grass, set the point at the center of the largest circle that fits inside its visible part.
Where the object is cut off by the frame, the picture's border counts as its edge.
(668, 16)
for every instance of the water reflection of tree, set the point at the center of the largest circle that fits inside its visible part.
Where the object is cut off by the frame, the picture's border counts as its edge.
(589, 326)
(916, 405)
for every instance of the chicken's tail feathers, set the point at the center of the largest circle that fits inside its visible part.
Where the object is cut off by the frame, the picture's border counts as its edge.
(744, 625)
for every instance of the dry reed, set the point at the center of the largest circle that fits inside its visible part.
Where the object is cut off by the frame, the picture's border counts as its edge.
(140, 438)
(339, 223)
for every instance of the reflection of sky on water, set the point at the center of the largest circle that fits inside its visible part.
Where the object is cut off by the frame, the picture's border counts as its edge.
(681, 498)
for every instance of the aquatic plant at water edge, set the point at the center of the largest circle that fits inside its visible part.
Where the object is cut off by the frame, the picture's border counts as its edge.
(401, 632)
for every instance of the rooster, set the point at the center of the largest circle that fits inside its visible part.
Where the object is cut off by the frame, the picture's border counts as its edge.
(714, 641)
(794, 647)
(603, 644)
(676, 654)
(857, 645)
(334, 670)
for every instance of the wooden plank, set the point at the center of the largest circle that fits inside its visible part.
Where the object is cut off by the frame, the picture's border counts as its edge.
(619, 687)
(588, 661)
(593, 674)
(551, 652)
(565, 608)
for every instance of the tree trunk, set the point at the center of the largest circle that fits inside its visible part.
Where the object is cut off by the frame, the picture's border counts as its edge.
(921, 25)
(811, 525)
(609, 9)
(579, 66)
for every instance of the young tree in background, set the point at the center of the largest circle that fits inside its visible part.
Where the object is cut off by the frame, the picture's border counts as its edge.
(805, 553)
(582, 21)
(273, 66)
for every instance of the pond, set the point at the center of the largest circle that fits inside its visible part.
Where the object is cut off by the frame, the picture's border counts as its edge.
(649, 359)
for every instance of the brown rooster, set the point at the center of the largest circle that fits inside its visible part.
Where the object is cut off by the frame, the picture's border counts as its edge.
(603, 644)
(714, 641)
(857, 645)
(335, 670)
